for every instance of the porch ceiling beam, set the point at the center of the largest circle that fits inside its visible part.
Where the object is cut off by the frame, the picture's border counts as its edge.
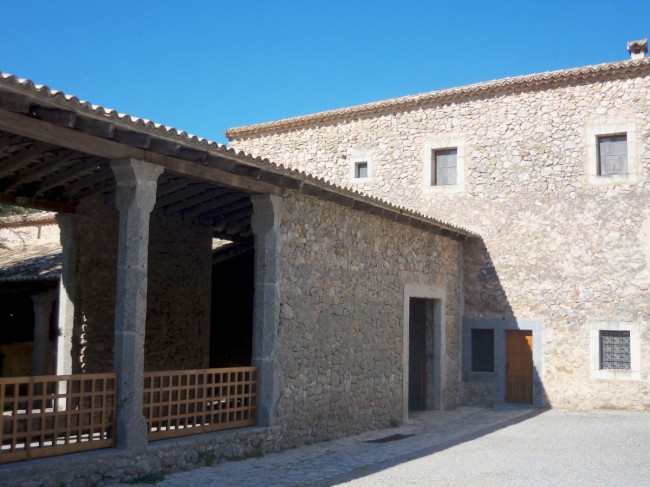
(207, 196)
(98, 177)
(105, 186)
(223, 212)
(12, 164)
(190, 188)
(213, 206)
(47, 167)
(221, 222)
(171, 184)
(90, 144)
(76, 171)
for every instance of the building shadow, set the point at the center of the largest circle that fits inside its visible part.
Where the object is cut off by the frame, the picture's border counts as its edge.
(502, 356)
(472, 433)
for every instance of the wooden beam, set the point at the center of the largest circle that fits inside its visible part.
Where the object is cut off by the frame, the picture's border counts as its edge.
(12, 164)
(237, 212)
(166, 147)
(209, 195)
(92, 126)
(213, 175)
(71, 139)
(47, 167)
(57, 116)
(77, 171)
(132, 138)
(171, 185)
(193, 155)
(14, 102)
(190, 189)
(213, 206)
(94, 179)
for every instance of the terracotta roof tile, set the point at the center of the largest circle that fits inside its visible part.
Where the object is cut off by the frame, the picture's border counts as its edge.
(637, 67)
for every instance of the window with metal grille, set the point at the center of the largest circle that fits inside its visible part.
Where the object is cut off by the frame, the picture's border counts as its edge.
(444, 167)
(482, 350)
(612, 155)
(614, 349)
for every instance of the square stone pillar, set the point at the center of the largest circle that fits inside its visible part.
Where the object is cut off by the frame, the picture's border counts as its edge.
(135, 198)
(67, 295)
(266, 305)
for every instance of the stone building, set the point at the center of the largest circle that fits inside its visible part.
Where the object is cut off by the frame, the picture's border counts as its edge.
(552, 170)
(155, 227)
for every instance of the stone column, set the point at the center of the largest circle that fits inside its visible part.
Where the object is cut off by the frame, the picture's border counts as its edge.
(266, 308)
(42, 315)
(135, 198)
(67, 295)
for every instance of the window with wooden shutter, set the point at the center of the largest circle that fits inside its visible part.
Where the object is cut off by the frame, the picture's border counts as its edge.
(444, 167)
(612, 155)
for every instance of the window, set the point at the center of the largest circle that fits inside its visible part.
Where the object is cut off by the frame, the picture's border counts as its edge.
(614, 349)
(360, 166)
(482, 350)
(614, 151)
(612, 155)
(361, 169)
(444, 169)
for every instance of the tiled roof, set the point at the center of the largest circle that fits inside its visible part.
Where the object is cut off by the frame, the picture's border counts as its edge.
(288, 178)
(640, 67)
(33, 261)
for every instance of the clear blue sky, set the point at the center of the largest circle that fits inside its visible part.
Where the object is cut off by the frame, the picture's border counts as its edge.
(205, 66)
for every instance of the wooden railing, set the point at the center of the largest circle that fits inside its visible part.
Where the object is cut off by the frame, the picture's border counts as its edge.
(52, 415)
(188, 402)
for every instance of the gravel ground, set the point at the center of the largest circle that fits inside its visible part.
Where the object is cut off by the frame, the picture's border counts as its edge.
(465, 447)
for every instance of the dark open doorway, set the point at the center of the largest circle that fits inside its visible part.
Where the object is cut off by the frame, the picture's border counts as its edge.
(425, 352)
(231, 322)
(417, 354)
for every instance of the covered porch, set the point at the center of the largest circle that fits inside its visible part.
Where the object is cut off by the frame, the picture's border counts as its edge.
(144, 212)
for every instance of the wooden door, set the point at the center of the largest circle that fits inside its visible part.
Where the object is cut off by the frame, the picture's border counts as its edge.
(519, 366)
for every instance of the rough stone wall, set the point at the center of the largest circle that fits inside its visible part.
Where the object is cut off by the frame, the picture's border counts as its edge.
(340, 334)
(178, 290)
(120, 466)
(557, 248)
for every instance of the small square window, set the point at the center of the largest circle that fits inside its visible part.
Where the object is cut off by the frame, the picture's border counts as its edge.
(614, 349)
(482, 350)
(443, 168)
(612, 155)
(360, 170)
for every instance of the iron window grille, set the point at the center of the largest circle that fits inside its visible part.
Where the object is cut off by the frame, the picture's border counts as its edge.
(614, 349)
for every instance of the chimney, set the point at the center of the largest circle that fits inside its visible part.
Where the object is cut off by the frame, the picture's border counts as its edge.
(638, 49)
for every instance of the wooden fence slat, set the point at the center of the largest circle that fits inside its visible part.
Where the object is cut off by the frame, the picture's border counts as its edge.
(56, 415)
(186, 402)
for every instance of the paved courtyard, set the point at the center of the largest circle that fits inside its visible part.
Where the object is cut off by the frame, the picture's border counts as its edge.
(466, 447)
